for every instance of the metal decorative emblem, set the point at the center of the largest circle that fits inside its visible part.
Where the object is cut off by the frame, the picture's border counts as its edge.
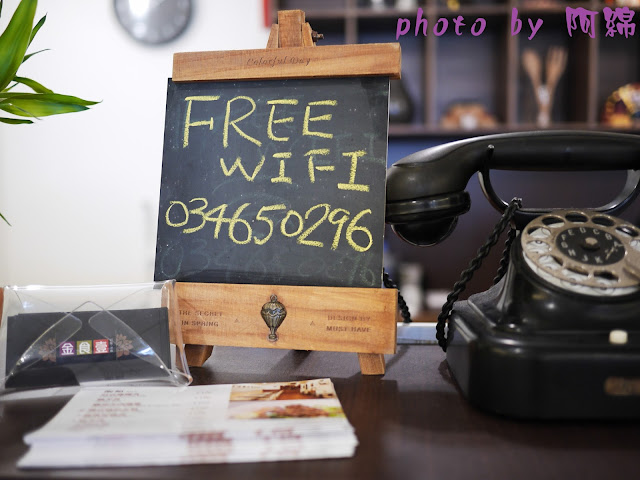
(273, 314)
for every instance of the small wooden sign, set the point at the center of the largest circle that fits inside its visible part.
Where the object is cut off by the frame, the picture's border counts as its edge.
(273, 188)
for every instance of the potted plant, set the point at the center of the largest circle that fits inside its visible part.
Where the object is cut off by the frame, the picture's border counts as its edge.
(24, 106)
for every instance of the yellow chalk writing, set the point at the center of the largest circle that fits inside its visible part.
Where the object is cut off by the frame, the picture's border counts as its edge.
(198, 211)
(359, 187)
(234, 221)
(340, 223)
(292, 225)
(188, 123)
(219, 220)
(273, 104)
(283, 224)
(238, 165)
(302, 239)
(261, 217)
(281, 178)
(234, 123)
(308, 118)
(312, 167)
(352, 228)
(186, 214)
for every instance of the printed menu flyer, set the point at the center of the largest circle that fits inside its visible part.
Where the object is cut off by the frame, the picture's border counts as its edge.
(138, 426)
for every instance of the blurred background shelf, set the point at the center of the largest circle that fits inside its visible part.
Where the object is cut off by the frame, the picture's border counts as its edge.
(440, 71)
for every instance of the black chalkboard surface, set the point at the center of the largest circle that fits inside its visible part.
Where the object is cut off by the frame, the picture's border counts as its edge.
(274, 182)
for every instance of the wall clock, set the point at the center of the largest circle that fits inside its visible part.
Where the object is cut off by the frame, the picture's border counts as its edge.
(153, 21)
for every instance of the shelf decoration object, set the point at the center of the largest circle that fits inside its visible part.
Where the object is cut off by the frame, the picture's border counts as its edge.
(406, 4)
(622, 108)
(285, 276)
(556, 63)
(468, 116)
(624, 3)
(400, 105)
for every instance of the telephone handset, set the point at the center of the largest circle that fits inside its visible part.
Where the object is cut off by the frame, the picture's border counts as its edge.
(559, 335)
(425, 190)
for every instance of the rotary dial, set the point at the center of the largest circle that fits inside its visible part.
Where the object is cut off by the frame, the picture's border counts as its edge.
(586, 252)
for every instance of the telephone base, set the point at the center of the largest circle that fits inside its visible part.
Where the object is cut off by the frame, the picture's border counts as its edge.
(528, 377)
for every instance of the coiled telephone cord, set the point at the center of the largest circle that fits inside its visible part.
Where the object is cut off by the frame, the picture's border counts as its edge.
(404, 308)
(467, 275)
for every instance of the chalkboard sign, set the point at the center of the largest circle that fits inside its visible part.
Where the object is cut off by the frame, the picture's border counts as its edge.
(274, 182)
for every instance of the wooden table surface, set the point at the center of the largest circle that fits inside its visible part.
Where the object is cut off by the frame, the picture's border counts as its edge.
(411, 423)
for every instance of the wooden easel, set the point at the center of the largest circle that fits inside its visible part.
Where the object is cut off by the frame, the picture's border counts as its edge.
(291, 31)
(359, 320)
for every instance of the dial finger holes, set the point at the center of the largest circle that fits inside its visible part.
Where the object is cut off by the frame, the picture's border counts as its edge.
(576, 217)
(550, 262)
(539, 232)
(630, 233)
(553, 221)
(603, 221)
(627, 231)
(606, 278)
(575, 273)
(538, 246)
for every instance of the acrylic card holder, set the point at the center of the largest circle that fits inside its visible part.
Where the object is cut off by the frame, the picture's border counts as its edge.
(91, 335)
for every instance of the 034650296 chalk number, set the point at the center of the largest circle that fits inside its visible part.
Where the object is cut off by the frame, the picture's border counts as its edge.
(291, 224)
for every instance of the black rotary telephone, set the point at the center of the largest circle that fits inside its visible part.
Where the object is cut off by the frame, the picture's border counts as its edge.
(559, 335)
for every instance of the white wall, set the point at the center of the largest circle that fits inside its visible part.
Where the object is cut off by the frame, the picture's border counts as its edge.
(81, 190)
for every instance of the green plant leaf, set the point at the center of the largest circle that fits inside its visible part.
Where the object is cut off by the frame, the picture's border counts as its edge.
(14, 121)
(16, 110)
(46, 97)
(36, 28)
(2, 216)
(15, 40)
(32, 84)
(28, 56)
(41, 104)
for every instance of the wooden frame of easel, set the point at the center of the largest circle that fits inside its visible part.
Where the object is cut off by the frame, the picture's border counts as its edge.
(368, 316)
